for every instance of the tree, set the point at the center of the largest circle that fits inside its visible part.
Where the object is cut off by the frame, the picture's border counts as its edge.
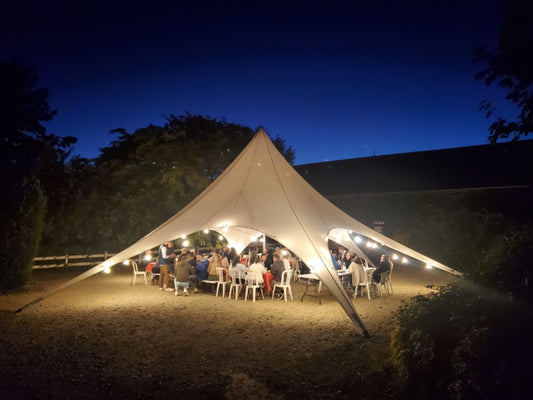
(143, 177)
(31, 169)
(511, 65)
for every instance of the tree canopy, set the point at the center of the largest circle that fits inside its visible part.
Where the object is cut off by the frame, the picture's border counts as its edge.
(143, 178)
(511, 66)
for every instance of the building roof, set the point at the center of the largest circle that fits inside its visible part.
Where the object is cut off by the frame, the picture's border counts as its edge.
(484, 166)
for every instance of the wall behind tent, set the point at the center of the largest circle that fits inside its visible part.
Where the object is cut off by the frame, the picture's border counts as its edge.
(454, 227)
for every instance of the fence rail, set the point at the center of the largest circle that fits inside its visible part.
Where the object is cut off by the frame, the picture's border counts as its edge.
(69, 260)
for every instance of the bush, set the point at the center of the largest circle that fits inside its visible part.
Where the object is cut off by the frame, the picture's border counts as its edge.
(463, 342)
(22, 225)
(506, 264)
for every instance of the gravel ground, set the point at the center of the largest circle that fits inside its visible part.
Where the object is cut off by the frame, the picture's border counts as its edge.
(104, 338)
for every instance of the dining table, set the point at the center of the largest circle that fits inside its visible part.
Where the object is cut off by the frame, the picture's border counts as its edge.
(312, 279)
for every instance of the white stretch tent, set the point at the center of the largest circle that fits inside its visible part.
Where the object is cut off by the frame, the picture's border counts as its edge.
(261, 193)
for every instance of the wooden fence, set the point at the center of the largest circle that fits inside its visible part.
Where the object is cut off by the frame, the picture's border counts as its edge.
(69, 260)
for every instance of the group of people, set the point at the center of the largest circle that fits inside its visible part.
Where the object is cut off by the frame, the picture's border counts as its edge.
(190, 269)
(344, 260)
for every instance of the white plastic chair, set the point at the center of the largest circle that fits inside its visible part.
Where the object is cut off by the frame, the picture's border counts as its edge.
(385, 281)
(221, 281)
(360, 278)
(137, 272)
(285, 284)
(236, 278)
(252, 283)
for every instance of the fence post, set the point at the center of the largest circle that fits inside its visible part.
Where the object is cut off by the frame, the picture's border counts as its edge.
(66, 260)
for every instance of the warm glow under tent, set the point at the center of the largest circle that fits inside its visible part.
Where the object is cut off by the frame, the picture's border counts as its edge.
(260, 193)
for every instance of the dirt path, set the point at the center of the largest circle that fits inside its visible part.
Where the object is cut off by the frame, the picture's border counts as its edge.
(104, 338)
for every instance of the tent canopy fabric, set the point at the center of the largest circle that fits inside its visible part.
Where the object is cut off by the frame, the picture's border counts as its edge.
(261, 193)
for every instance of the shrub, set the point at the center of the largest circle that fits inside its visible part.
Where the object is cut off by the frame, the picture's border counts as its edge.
(463, 342)
(22, 226)
(506, 264)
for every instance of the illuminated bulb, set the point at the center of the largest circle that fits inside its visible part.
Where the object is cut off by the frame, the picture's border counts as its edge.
(107, 270)
(184, 236)
(358, 239)
(429, 266)
(283, 252)
(395, 257)
(147, 257)
(404, 260)
(368, 244)
(186, 243)
(125, 262)
(220, 237)
(350, 232)
(206, 230)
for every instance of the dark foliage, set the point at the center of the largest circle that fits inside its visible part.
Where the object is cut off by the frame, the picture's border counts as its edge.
(25, 205)
(463, 343)
(506, 264)
(511, 66)
(143, 178)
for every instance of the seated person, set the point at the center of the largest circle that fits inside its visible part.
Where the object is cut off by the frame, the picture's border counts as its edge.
(278, 267)
(182, 271)
(259, 269)
(385, 265)
(334, 260)
(200, 272)
(237, 266)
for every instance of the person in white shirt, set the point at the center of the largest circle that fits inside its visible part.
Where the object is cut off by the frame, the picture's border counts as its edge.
(258, 268)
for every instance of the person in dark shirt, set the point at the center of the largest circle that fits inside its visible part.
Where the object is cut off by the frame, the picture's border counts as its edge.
(385, 265)
(278, 267)
(166, 260)
(269, 260)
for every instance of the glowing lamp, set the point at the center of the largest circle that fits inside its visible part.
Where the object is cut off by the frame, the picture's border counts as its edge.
(358, 239)
(404, 260)
(125, 262)
(186, 243)
(107, 270)
(395, 257)
(220, 237)
(147, 257)
(184, 236)
(429, 266)
(206, 230)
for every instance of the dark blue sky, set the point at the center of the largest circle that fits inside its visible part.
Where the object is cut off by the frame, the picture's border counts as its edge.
(335, 79)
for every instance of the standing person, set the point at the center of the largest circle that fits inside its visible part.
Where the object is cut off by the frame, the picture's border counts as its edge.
(252, 254)
(166, 259)
(269, 260)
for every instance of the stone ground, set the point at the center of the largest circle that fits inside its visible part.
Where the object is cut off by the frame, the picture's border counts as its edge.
(104, 338)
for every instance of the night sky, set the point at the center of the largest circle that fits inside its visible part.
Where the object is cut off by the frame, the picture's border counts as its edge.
(335, 79)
